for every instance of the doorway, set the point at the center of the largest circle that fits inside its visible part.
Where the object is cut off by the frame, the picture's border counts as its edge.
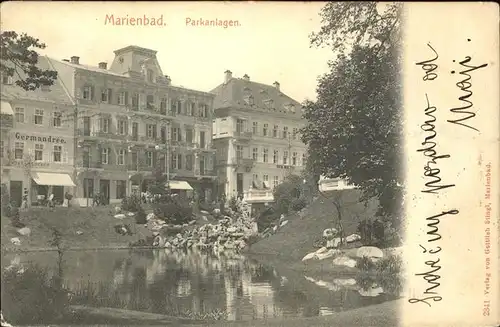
(58, 192)
(104, 189)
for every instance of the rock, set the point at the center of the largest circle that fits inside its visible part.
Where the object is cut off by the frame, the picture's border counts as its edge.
(345, 282)
(130, 214)
(333, 244)
(204, 212)
(216, 211)
(371, 292)
(79, 232)
(352, 238)
(204, 218)
(330, 233)
(344, 261)
(309, 256)
(328, 254)
(237, 235)
(371, 252)
(275, 228)
(283, 223)
(118, 209)
(232, 229)
(185, 225)
(282, 218)
(168, 244)
(158, 240)
(25, 231)
(150, 216)
(192, 222)
(120, 216)
(15, 241)
(322, 250)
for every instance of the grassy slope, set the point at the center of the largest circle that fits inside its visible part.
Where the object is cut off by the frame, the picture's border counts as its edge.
(293, 241)
(95, 223)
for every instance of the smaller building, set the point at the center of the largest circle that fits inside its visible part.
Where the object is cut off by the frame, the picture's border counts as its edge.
(37, 142)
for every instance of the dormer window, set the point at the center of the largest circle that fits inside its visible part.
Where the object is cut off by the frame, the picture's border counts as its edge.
(249, 100)
(150, 75)
(269, 104)
(290, 107)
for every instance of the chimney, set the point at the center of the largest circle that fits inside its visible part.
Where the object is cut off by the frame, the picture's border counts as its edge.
(168, 79)
(75, 60)
(228, 76)
(103, 65)
(277, 85)
(246, 77)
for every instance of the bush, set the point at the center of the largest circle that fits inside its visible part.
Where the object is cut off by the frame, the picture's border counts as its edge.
(5, 198)
(298, 204)
(140, 216)
(131, 203)
(389, 266)
(177, 212)
(32, 297)
(364, 264)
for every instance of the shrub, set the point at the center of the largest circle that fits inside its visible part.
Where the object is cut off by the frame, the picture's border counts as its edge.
(389, 266)
(5, 204)
(299, 204)
(140, 216)
(364, 264)
(233, 204)
(176, 212)
(131, 203)
(32, 297)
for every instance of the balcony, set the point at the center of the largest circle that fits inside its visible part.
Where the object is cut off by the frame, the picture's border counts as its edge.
(86, 164)
(245, 163)
(243, 135)
(258, 196)
(149, 110)
(205, 173)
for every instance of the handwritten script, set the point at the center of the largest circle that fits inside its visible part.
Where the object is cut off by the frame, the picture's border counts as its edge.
(462, 115)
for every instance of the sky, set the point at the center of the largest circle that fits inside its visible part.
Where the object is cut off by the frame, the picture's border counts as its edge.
(270, 44)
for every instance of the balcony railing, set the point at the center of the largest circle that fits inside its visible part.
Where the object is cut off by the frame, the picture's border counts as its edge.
(258, 196)
(90, 165)
(243, 135)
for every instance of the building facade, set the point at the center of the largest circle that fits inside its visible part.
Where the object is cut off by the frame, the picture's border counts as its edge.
(256, 135)
(131, 121)
(37, 142)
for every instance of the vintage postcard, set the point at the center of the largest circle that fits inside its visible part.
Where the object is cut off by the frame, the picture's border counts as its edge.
(250, 164)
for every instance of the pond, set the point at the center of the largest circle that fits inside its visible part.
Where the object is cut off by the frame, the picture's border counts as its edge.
(192, 285)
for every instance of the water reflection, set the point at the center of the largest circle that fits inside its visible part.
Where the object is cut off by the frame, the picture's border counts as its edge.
(200, 285)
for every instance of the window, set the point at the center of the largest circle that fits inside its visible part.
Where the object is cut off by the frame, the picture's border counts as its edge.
(265, 129)
(87, 92)
(203, 110)
(176, 134)
(190, 109)
(56, 119)
(304, 160)
(163, 106)
(122, 127)
(285, 132)
(202, 139)
(121, 157)
(265, 181)
(105, 95)
(19, 113)
(189, 135)
(239, 126)
(265, 155)
(121, 189)
(179, 161)
(1, 148)
(149, 158)
(294, 159)
(285, 157)
(105, 156)
(275, 157)
(239, 151)
(179, 107)
(123, 98)
(38, 152)
(135, 131)
(189, 162)
(255, 128)
(255, 177)
(255, 153)
(173, 106)
(6, 79)
(275, 131)
(173, 163)
(38, 117)
(18, 150)
(105, 125)
(57, 153)
(151, 131)
(150, 75)
(135, 101)
(150, 102)
(275, 181)
(294, 133)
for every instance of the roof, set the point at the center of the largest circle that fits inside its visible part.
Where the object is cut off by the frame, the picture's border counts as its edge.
(234, 92)
(56, 93)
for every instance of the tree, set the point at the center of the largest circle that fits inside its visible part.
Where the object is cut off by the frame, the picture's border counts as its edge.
(354, 128)
(18, 59)
(159, 188)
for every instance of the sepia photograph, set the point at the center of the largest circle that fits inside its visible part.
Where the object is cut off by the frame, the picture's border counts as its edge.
(230, 164)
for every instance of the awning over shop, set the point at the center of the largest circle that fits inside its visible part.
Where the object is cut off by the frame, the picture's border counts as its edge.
(53, 179)
(5, 108)
(179, 185)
